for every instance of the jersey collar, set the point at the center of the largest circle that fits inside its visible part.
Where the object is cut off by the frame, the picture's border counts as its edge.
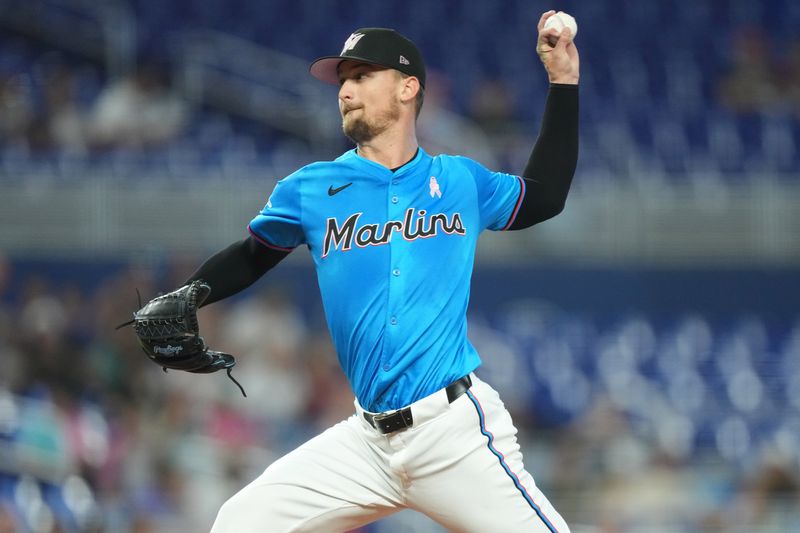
(401, 171)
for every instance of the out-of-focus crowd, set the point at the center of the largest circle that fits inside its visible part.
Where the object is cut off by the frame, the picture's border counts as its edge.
(757, 80)
(52, 102)
(59, 104)
(56, 104)
(94, 437)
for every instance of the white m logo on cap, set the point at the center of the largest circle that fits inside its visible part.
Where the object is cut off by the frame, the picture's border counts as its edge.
(351, 42)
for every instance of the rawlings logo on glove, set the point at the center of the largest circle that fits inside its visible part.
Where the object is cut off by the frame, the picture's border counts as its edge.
(169, 332)
(168, 350)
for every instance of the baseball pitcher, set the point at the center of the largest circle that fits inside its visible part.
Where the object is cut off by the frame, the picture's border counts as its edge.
(392, 232)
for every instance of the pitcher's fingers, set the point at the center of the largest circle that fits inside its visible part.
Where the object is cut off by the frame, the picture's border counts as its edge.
(546, 15)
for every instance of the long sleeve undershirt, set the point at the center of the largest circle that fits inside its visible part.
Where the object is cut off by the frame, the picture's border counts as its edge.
(548, 176)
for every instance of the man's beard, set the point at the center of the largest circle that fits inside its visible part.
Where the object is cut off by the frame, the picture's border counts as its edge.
(361, 130)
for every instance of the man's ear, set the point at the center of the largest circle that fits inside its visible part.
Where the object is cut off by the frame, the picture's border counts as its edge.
(409, 89)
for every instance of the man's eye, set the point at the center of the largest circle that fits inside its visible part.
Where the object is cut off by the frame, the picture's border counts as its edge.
(359, 76)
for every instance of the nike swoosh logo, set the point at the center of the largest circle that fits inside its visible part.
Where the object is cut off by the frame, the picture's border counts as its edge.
(332, 191)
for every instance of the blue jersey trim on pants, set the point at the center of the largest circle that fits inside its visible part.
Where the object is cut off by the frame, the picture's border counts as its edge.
(502, 460)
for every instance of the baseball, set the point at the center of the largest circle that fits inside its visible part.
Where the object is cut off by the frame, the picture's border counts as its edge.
(561, 20)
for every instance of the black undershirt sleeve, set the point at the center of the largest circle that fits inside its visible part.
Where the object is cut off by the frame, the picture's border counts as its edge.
(236, 267)
(548, 174)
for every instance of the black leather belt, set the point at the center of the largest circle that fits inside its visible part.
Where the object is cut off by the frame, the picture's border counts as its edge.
(402, 418)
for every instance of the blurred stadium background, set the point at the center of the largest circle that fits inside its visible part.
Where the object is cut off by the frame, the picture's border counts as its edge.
(653, 365)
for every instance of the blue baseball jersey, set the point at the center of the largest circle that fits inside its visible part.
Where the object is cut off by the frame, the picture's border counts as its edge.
(394, 254)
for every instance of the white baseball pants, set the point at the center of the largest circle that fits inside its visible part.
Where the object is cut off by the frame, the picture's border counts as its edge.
(460, 464)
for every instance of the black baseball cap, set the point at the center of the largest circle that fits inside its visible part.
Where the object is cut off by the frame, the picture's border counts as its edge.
(376, 46)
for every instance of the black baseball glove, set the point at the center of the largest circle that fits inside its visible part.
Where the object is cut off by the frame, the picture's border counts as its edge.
(169, 332)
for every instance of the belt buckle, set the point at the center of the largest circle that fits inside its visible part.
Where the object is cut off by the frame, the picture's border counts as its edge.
(384, 415)
(391, 421)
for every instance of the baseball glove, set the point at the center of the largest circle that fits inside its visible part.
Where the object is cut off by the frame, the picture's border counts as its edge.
(169, 332)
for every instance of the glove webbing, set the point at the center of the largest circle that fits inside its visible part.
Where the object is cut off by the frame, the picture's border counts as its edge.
(160, 328)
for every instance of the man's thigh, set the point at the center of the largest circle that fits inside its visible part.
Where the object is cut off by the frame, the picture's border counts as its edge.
(334, 482)
(471, 477)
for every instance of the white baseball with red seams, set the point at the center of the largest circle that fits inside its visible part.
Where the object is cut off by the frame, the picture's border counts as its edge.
(561, 20)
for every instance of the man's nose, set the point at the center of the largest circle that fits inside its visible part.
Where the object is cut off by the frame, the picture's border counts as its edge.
(345, 91)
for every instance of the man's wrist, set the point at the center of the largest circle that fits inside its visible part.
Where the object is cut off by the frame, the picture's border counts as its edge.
(564, 80)
(563, 85)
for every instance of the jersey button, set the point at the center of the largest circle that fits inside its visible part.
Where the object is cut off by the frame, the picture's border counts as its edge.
(396, 272)
(395, 199)
(387, 366)
(393, 321)
(395, 182)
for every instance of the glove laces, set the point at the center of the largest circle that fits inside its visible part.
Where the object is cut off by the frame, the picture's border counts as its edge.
(237, 383)
(230, 376)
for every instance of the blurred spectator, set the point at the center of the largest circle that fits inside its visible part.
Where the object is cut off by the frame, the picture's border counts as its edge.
(330, 398)
(268, 331)
(66, 125)
(790, 79)
(16, 107)
(774, 494)
(11, 356)
(5, 283)
(493, 107)
(137, 111)
(7, 522)
(59, 122)
(751, 83)
(443, 131)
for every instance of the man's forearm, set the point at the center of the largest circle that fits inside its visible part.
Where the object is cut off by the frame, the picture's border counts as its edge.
(551, 166)
(236, 267)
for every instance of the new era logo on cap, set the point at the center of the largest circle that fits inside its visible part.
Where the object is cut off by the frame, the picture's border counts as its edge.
(375, 46)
